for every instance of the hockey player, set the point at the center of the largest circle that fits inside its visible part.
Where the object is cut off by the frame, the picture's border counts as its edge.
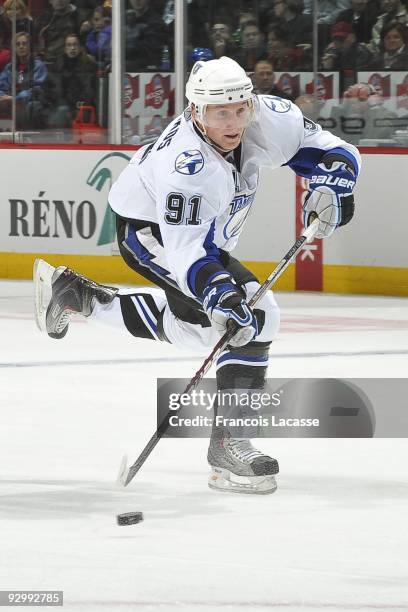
(181, 204)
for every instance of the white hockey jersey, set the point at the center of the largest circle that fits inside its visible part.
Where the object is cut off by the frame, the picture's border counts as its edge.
(201, 199)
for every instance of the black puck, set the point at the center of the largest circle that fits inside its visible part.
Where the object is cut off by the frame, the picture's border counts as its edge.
(129, 518)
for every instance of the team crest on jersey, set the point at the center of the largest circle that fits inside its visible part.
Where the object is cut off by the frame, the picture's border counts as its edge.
(279, 105)
(189, 162)
(240, 207)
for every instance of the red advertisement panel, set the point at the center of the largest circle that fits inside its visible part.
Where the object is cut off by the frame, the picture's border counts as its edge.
(309, 262)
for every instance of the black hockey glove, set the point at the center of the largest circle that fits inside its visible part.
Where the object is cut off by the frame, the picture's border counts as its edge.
(224, 302)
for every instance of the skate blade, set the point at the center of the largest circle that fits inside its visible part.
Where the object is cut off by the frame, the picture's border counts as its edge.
(42, 277)
(226, 482)
(123, 472)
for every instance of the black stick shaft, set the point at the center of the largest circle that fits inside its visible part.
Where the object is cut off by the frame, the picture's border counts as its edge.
(222, 344)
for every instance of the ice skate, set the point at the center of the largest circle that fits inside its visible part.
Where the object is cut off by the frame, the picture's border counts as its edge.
(238, 467)
(60, 293)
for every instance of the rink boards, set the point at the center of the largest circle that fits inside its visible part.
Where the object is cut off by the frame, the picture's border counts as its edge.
(54, 204)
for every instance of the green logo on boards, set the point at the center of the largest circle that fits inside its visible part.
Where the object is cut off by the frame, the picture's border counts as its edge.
(99, 178)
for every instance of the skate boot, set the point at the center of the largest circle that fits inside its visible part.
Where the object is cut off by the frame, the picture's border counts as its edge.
(60, 293)
(238, 467)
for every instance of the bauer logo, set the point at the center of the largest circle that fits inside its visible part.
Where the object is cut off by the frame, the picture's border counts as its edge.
(276, 104)
(189, 162)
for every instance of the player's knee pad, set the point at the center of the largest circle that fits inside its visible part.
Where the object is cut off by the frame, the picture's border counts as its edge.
(266, 312)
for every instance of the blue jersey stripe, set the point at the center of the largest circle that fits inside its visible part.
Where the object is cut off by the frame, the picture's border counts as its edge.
(148, 318)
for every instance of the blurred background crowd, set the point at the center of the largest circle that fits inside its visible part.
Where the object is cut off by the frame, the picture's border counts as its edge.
(58, 83)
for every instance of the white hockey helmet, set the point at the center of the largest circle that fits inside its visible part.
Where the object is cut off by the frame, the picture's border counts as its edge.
(219, 81)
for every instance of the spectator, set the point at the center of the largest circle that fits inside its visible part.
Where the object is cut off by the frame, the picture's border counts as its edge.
(5, 53)
(284, 56)
(329, 10)
(24, 21)
(72, 83)
(394, 11)
(54, 26)
(198, 24)
(197, 31)
(393, 48)
(244, 18)
(328, 14)
(221, 41)
(344, 52)
(31, 75)
(362, 115)
(144, 37)
(361, 16)
(98, 41)
(297, 26)
(85, 10)
(252, 46)
(263, 79)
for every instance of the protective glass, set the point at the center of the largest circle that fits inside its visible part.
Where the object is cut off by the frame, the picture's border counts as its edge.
(229, 116)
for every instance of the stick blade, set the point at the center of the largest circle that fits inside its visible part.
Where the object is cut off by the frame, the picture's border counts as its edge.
(123, 472)
(131, 472)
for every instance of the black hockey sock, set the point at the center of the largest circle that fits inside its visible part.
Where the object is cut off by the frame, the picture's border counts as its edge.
(244, 369)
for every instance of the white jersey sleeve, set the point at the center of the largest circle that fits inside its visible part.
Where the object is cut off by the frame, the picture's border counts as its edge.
(294, 140)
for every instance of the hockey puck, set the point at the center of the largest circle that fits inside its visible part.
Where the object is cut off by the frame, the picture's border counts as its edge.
(129, 518)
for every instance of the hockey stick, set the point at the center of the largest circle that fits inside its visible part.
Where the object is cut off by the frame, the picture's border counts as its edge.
(126, 474)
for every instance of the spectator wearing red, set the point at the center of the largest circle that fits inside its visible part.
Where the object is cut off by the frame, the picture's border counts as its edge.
(344, 52)
(361, 16)
(5, 53)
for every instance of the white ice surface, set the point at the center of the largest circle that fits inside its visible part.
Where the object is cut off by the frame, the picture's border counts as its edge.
(333, 537)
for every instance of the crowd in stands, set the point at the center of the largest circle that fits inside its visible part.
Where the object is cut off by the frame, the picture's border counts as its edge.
(63, 47)
(62, 51)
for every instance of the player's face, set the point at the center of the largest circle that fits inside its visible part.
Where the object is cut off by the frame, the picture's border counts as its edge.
(225, 123)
